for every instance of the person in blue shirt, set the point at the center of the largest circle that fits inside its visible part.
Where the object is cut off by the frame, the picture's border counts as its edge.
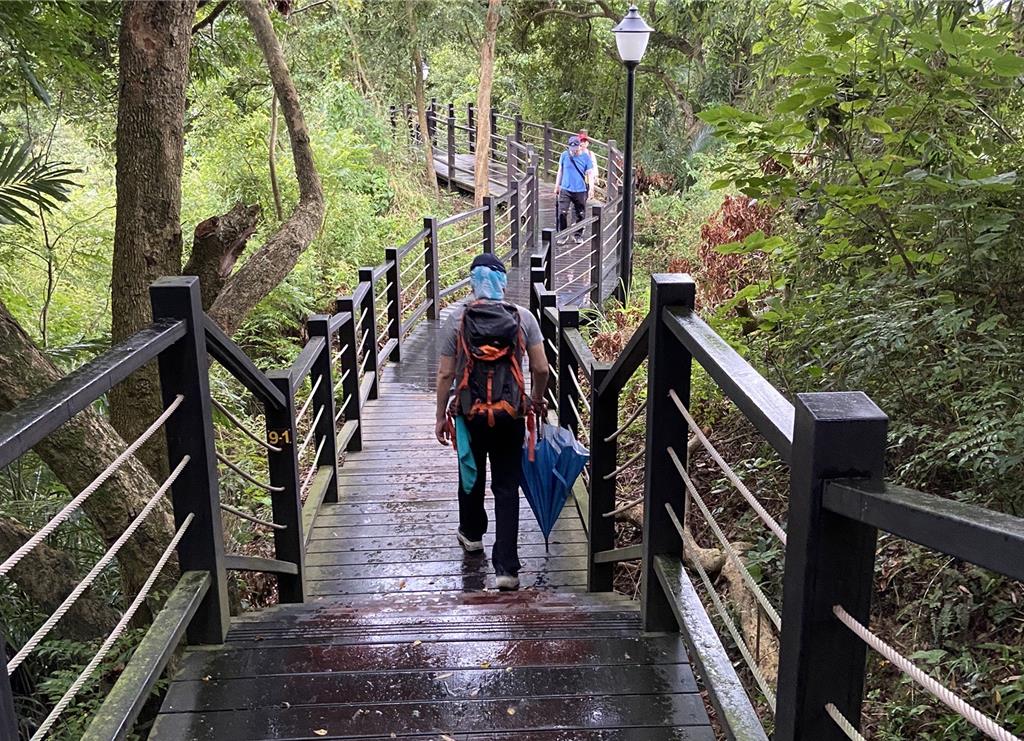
(574, 184)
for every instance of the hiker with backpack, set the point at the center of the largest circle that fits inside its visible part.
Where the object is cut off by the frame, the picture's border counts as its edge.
(574, 184)
(482, 346)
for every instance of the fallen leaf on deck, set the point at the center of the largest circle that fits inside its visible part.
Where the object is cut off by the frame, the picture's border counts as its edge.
(417, 642)
(485, 665)
(320, 731)
(443, 676)
(511, 711)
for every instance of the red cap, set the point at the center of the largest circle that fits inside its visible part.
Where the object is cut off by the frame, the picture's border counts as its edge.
(583, 136)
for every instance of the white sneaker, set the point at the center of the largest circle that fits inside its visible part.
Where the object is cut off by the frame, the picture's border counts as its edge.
(506, 582)
(470, 546)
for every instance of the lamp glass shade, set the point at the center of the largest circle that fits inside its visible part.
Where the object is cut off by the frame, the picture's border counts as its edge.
(632, 35)
(631, 46)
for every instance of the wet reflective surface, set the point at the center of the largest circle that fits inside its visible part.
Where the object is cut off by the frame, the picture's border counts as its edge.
(403, 634)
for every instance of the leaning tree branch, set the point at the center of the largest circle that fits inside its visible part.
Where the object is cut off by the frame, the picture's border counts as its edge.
(265, 270)
(211, 17)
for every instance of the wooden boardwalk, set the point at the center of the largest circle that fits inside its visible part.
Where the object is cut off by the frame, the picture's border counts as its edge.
(572, 269)
(403, 636)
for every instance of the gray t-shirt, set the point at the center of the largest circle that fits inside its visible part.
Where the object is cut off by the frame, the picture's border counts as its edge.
(450, 330)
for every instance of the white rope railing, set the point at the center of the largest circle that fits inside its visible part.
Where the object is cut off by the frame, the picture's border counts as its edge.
(844, 725)
(570, 266)
(632, 459)
(314, 467)
(726, 618)
(939, 691)
(410, 266)
(762, 513)
(632, 418)
(624, 508)
(342, 410)
(416, 299)
(104, 561)
(311, 433)
(733, 556)
(243, 427)
(579, 390)
(309, 400)
(115, 634)
(252, 518)
(246, 475)
(71, 507)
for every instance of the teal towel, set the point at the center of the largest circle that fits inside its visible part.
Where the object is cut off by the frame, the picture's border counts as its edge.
(467, 463)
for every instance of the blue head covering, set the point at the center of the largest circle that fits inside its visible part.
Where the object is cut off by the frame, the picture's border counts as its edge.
(488, 277)
(488, 282)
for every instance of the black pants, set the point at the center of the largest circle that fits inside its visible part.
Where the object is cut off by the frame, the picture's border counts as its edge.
(578, 201)
(503, 444)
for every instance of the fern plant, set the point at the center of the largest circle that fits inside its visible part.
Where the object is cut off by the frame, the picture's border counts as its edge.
(29, 183)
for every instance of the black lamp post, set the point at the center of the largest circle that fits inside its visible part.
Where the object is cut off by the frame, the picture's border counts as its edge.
(631, 36)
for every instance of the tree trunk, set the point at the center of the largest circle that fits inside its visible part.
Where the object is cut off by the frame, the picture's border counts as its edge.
(265, 270)
(481, 174)
(272, 158)
(78, 450)
(153, 48)
(47, 576)
(217, 244)
(421, 97)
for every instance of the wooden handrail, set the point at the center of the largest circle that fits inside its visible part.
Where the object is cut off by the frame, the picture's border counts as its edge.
(238, 364)
(24, 426)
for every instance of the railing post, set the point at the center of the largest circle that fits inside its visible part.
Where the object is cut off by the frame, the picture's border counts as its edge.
(549, 329)
(549, 252)
(568, 396)
(528, 240)
(515, 221)
(393, 111)
(394, 294)
(284, 473)
(369, 324)
(518, 128)
(668, 368)
(430, 257)
(432, 122)
(319, 325)
(548, 164)
(597, 255)
(830, 561)
(184, 369)
(535, 210)
(604, 415)
(8, 718)
(611, 169)
(471, 125)
(510, 160)
(494, 132)
(536, 276)
(488, 217)
(451, 152)
(410, 127)
(348, 338)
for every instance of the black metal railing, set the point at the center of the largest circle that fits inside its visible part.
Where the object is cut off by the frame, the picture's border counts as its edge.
(586, 267)
(312, 409)
(834, 444)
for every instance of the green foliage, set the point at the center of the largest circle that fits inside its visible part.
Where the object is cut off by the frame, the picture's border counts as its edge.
(29, 184)
(891, 144)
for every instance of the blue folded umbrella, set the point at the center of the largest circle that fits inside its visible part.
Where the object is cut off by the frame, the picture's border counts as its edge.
(467, 463)
(558, 460)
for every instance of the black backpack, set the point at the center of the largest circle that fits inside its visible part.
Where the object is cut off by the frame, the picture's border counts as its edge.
(489, 363)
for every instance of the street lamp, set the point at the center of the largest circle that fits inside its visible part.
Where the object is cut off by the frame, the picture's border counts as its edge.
(631, 37)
